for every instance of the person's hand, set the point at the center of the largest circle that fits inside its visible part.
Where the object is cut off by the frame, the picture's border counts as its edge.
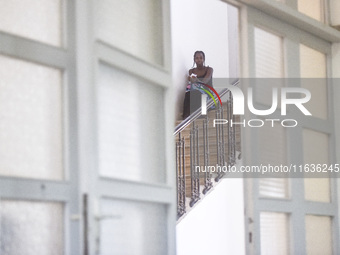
(193, 78)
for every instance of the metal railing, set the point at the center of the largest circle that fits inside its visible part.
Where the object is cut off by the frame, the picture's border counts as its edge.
(225, 155)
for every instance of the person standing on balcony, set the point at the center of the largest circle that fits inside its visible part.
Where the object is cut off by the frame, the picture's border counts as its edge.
(200, 73)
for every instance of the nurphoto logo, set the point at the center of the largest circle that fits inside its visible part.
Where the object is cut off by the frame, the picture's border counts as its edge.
(280, 98)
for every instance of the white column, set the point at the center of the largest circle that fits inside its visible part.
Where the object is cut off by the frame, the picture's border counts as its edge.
(336, 95)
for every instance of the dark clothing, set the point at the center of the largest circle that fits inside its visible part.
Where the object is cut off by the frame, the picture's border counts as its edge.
(192, 102)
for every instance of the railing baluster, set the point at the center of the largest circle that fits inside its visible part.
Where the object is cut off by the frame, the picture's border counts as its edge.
(229, 129)
(223, 161)
(180, 177)
(232, 138)
(220, 143)
(194, 161)
(207, 174)
(191, 157)
(217, 138)
(197, 179)
(183, 173)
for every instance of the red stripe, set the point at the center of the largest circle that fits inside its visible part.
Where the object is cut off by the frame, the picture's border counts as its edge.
(213, 91)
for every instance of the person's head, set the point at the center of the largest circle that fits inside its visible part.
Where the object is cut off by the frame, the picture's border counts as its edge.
(199, 58)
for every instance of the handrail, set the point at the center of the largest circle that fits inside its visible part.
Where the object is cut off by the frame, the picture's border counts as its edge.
(196, 114)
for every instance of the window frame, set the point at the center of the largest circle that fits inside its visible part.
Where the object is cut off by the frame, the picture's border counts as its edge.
(292, 35)
(40, 190)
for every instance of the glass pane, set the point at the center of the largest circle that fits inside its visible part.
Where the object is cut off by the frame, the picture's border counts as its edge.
(131, 137)
(39, 20)
(31, 228)
(319, 235)
(268, 55)
(274, 233)
(31, 139)
(274, 187)
(315, 147)
(135, 26)
(269, 152)
(317, 189)
(313, 65)
(132, 228)
(312, 8)
(318, 104)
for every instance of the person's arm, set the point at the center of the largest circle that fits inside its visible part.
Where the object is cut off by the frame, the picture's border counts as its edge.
(190, 77)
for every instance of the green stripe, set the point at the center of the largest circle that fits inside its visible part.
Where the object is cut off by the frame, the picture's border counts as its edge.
(210, 96)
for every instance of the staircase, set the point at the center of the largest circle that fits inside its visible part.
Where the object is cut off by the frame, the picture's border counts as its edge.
(201, 146)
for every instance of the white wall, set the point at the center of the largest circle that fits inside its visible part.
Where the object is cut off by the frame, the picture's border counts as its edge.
(336, 107)
(216, 225)
(198, 25)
